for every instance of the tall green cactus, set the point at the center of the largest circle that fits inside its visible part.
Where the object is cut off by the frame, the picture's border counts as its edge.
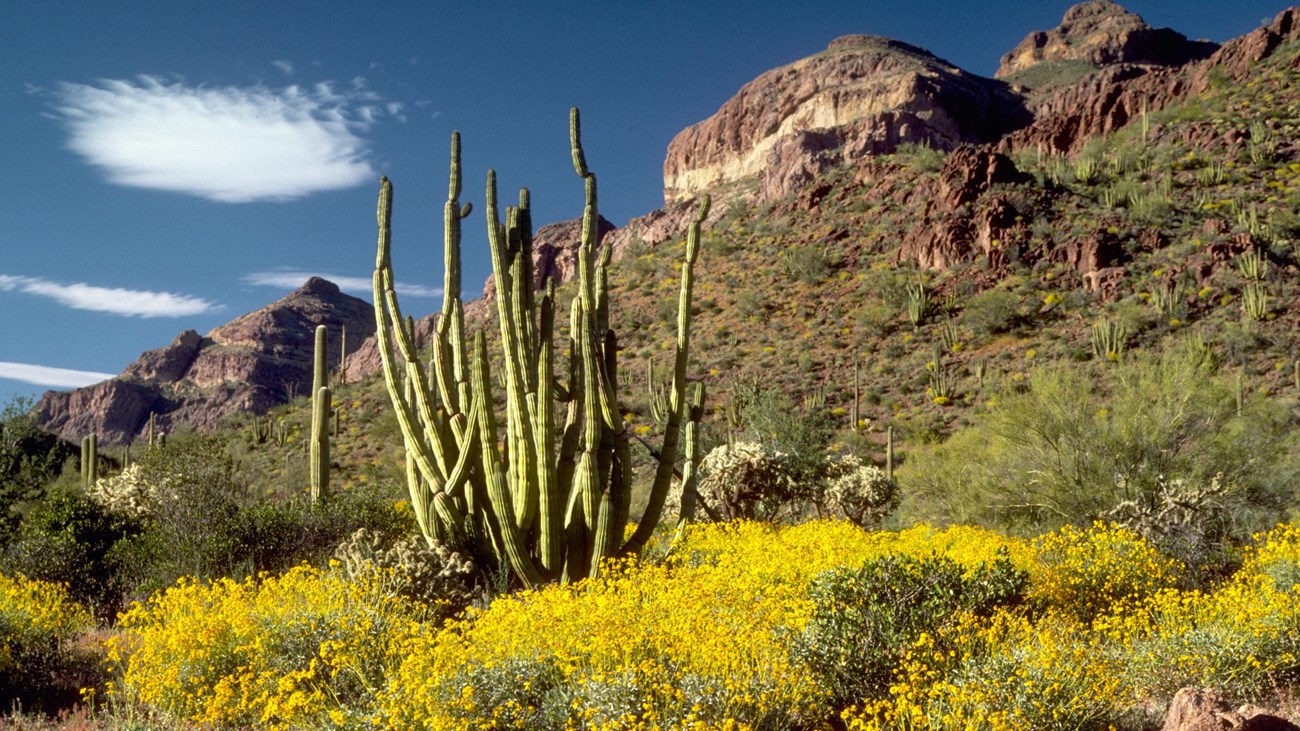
(546, 499)
(89, 459)
(320, 419)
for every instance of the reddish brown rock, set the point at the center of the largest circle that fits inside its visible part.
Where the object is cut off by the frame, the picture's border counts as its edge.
(863, 95)
(114, 409)
(1102, 33)
(1067, 118)
(961, 221)
(169, 363)
(1200, 709)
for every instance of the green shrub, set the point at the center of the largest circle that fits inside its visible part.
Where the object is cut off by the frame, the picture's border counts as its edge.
(29, 459)
(864, 620)
(71, 539)
(992, 312)
(1084, 442)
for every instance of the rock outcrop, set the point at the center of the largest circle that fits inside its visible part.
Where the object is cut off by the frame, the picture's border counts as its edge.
(1101, 103)
(1198, 709)
(864, 95)
(250, 364)
(965, 219)
(1101, 33)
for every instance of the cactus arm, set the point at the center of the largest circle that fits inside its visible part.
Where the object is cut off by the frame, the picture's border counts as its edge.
(690, 470)
(550, 502)
(386, 322)
(500, 516)
(320, 452)
(668, 453)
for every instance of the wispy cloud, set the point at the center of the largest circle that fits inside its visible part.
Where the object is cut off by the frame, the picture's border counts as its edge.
(47, 376)
(292, 279)
(228, 144)
(285, 66)
(113, 300)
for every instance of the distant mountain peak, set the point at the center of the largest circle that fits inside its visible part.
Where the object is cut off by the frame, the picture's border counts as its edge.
(1103, 33)
(318, 287)
(250, 364)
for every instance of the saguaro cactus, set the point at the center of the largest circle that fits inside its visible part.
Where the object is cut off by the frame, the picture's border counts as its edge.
(546, 500)
(320, 419)
(89, 459)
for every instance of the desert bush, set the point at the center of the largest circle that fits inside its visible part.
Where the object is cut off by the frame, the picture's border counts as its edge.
(865, 620)
(307, 649)
(1081, 440)
(276, 535)
(191, 494)
(199, 519)
(38, 625)
(412, 568)
(29, 459)
(744, 480)
(1086, 573)
(1242, 638)
(991, 312)
(1001, 674)
(769, 417)
(71, 539)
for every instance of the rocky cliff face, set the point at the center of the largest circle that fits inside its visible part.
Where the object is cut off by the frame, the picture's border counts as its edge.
(863, 95)
(255, 362)
(1101, 33)
(1067, 118)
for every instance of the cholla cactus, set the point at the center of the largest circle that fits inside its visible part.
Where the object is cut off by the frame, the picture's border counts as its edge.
(127, 493)
(413, 568)
(745, 480)
(863, 491)
(1175, 508)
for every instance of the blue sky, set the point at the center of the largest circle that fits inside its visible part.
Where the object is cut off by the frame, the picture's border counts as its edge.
(171, 165)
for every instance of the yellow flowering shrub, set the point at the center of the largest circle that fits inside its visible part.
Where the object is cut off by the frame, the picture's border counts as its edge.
(37, 623)
(709, 638)
(1243, 637)
(1276, 554)
(302, 650)
(1004, 673)
(1086, 572)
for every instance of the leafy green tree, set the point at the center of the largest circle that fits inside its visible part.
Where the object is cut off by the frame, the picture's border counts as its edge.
(29, 459)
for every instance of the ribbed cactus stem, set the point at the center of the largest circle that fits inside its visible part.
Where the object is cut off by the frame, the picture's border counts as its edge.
(889, 452)
(319, 449)
(857, 390)
(320, 445)
(690, 470)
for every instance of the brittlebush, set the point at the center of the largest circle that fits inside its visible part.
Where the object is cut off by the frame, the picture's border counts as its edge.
(38, 623)
(304, 650)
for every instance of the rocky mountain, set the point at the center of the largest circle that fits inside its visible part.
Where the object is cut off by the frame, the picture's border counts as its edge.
(1101, 33)
(862, 96)
(248, 365)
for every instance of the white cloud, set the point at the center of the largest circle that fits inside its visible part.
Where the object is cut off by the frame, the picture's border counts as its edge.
(287, 279)
(285, 66)
(47, 376)
(113, 300)
(228, 144)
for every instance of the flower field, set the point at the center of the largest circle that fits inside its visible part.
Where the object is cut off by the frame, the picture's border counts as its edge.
(741, 626)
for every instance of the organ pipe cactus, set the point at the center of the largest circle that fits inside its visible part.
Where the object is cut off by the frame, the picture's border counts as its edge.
(545, 498)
